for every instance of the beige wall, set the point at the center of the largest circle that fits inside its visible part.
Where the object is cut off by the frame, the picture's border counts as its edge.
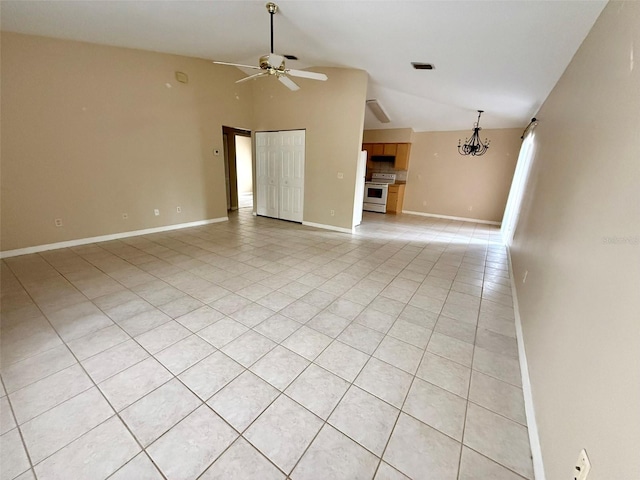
(579, 239)
(443, 182)
(390, 135)
(332, 113)
(244, 160)
(91, 132)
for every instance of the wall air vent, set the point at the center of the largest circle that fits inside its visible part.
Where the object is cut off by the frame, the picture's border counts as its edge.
(423, 66)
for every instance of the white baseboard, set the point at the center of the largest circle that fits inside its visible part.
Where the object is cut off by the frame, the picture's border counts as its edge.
(329, 227)
(106, 238)
(447, 217)
(532, 426)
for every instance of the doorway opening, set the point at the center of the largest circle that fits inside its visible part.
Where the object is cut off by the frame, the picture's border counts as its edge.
(238, 167)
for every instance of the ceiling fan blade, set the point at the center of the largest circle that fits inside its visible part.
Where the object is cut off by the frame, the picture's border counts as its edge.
(275, 60)
(237, 65)
(255, 75)
(290, 84)
(305, 74)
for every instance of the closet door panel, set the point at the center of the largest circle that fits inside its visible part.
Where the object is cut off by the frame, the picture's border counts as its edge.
(280, 174)
(292, 177)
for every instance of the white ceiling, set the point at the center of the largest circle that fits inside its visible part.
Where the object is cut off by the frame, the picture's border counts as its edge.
(500, 56)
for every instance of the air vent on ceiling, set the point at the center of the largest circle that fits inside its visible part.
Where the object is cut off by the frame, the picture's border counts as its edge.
(422, 66)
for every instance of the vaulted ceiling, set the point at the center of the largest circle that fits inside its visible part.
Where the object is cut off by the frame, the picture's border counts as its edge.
(500, 56)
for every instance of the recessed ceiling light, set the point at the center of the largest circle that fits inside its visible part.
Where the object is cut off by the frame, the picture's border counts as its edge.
(423, 66)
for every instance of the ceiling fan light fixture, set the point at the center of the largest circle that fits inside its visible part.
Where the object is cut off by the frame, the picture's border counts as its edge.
(378, 111)
(273, 64)
(423, 66)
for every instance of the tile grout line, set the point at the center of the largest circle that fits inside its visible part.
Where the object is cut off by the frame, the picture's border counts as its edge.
(400, 410)
(280, 393)
(334, 338)
(325, 421)
(17, 427)
(475, 338)
(94, 384)
(98, 389)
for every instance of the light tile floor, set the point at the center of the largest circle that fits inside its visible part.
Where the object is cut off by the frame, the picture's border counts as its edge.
(261, 349)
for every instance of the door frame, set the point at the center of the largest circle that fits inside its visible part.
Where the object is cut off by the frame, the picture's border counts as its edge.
(229, 142)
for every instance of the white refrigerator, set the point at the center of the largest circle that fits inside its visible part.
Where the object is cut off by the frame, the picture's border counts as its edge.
(361, 172)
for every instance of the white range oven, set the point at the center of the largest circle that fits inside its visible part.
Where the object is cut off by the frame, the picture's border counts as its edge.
(376, 192)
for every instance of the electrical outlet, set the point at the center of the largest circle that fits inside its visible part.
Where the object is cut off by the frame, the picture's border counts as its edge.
(340, 175)
(125, 216)
(178, 209)
(156, 212)
(58, 222)
(524, 277)
(333, 212)
(583, 465)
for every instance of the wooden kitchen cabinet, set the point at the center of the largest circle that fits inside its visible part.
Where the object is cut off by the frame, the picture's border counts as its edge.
(377, 149)
(402, 156)
(389, 148)
(395, 198)
(400, 151)
(372, 149)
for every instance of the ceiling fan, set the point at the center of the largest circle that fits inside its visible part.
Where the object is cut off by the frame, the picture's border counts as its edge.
(273, 64)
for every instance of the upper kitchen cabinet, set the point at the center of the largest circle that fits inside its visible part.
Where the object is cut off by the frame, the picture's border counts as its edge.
(400, 152)
(402, 156)
(389, 149)
(372, 149)
(377, 149)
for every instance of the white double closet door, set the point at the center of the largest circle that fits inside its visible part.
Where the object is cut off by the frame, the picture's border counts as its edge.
(280, 174)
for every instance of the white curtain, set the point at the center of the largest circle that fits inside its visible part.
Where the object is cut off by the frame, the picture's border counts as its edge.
(518, 185)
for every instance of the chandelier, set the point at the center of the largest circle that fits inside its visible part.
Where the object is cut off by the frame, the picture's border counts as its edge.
(473, 146)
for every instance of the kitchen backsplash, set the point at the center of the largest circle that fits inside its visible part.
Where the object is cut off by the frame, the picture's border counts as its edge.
(384, 167)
